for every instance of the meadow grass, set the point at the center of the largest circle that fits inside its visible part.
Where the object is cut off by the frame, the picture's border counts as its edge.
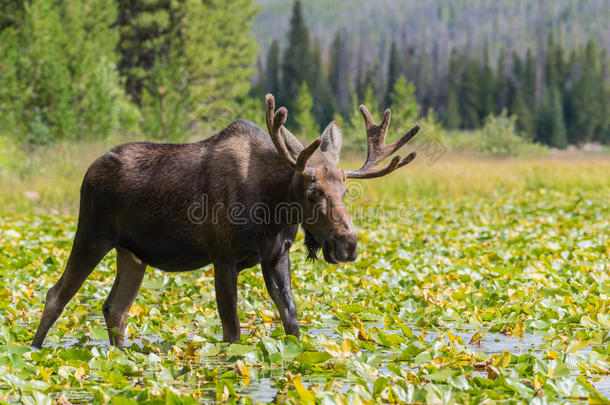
(47, 180)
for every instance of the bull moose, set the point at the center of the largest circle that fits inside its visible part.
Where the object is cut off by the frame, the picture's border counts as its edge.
(136, 199)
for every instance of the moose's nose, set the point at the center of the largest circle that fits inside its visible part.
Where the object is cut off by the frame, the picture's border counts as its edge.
(347, 247)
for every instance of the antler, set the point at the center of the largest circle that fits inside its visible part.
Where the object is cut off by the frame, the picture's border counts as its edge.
(275, 125)
(377, 150)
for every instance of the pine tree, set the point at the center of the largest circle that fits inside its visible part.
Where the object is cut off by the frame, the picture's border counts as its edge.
(587, 102)
(60, 79)
(296, 67)
(272, 71)
(218, 56)
(453, 116)
(393, 73)
(145, 27)
(501, 85)
(357, 128)
(470, 95)
(304, 118)
(551, 128)
(324, 100)
(486, 106)
(525, 116)
(405, 109)
(338, 73)
(454, 119)
(528, 79)
(12, 14)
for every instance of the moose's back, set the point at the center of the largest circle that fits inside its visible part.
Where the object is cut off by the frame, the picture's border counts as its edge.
(169, 204)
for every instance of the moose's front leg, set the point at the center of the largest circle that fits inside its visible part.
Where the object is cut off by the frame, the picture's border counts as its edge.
(225, 280)
(276, 273)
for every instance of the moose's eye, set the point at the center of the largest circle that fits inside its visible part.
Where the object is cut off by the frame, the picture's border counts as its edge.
(313, 195)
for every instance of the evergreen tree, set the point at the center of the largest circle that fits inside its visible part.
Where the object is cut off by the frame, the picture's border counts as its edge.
(501, 85)
(551, 128)
(587, 97)
(525, 116)
(218, 56)
(324, 100)
(454, 119)
(296, 66)
(272, 71)
(470, 95)
(145, 29)
(528, 79)
(58, 72)
(338, 74)
(393, 73)
(304, 118)
(356, 122)
(405, 109)
(201, 74)
(12, 13)
(487, 79)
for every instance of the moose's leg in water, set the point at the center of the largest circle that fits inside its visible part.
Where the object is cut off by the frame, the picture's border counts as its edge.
(129, 275)
(85, 255)
(225, 281)
(276, 273)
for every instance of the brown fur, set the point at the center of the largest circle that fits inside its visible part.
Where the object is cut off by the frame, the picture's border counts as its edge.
(142, 199)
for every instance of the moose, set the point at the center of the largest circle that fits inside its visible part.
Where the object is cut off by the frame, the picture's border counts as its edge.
(137, 198)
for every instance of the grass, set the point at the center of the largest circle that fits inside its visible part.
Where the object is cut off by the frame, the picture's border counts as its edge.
(47, 180)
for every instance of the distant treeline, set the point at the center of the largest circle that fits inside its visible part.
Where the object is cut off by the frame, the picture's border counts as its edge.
(559, 95)
(77, 69)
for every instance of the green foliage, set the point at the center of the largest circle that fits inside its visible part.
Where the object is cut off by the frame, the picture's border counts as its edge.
(405, 109)
(304, 118)
(454, 119)
(272, 71)
(457, 300)
(499, 137)
(356, 133)
(59, 76)
(393, 73)
(297, 60)
(218, 57)
(551, 128)
(200, 74)
(166, 105)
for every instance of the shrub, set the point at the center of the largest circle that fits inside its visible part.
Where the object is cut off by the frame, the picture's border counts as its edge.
(498, 137)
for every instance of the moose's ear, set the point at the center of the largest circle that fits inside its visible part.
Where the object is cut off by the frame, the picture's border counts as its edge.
(332, 139)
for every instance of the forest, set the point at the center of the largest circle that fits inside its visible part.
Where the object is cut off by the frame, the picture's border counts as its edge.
(483, 266)
(173, 70)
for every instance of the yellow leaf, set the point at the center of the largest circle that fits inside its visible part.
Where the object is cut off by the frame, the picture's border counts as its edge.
(502, 360)
(44, 373)
(305, 395)
(241, 369)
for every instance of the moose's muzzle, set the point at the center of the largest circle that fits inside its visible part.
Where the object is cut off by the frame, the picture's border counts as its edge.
(342, 247)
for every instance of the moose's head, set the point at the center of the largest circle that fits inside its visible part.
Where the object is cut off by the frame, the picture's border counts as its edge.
(318, 185)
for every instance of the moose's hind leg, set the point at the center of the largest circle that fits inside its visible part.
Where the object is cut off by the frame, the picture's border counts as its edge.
(85, 255)
(130, 272)
(225, 283)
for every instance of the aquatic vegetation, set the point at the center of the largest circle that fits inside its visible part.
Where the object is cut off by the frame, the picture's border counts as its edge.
(498, 297)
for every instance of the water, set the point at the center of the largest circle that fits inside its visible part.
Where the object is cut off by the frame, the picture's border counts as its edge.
(261, 387)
